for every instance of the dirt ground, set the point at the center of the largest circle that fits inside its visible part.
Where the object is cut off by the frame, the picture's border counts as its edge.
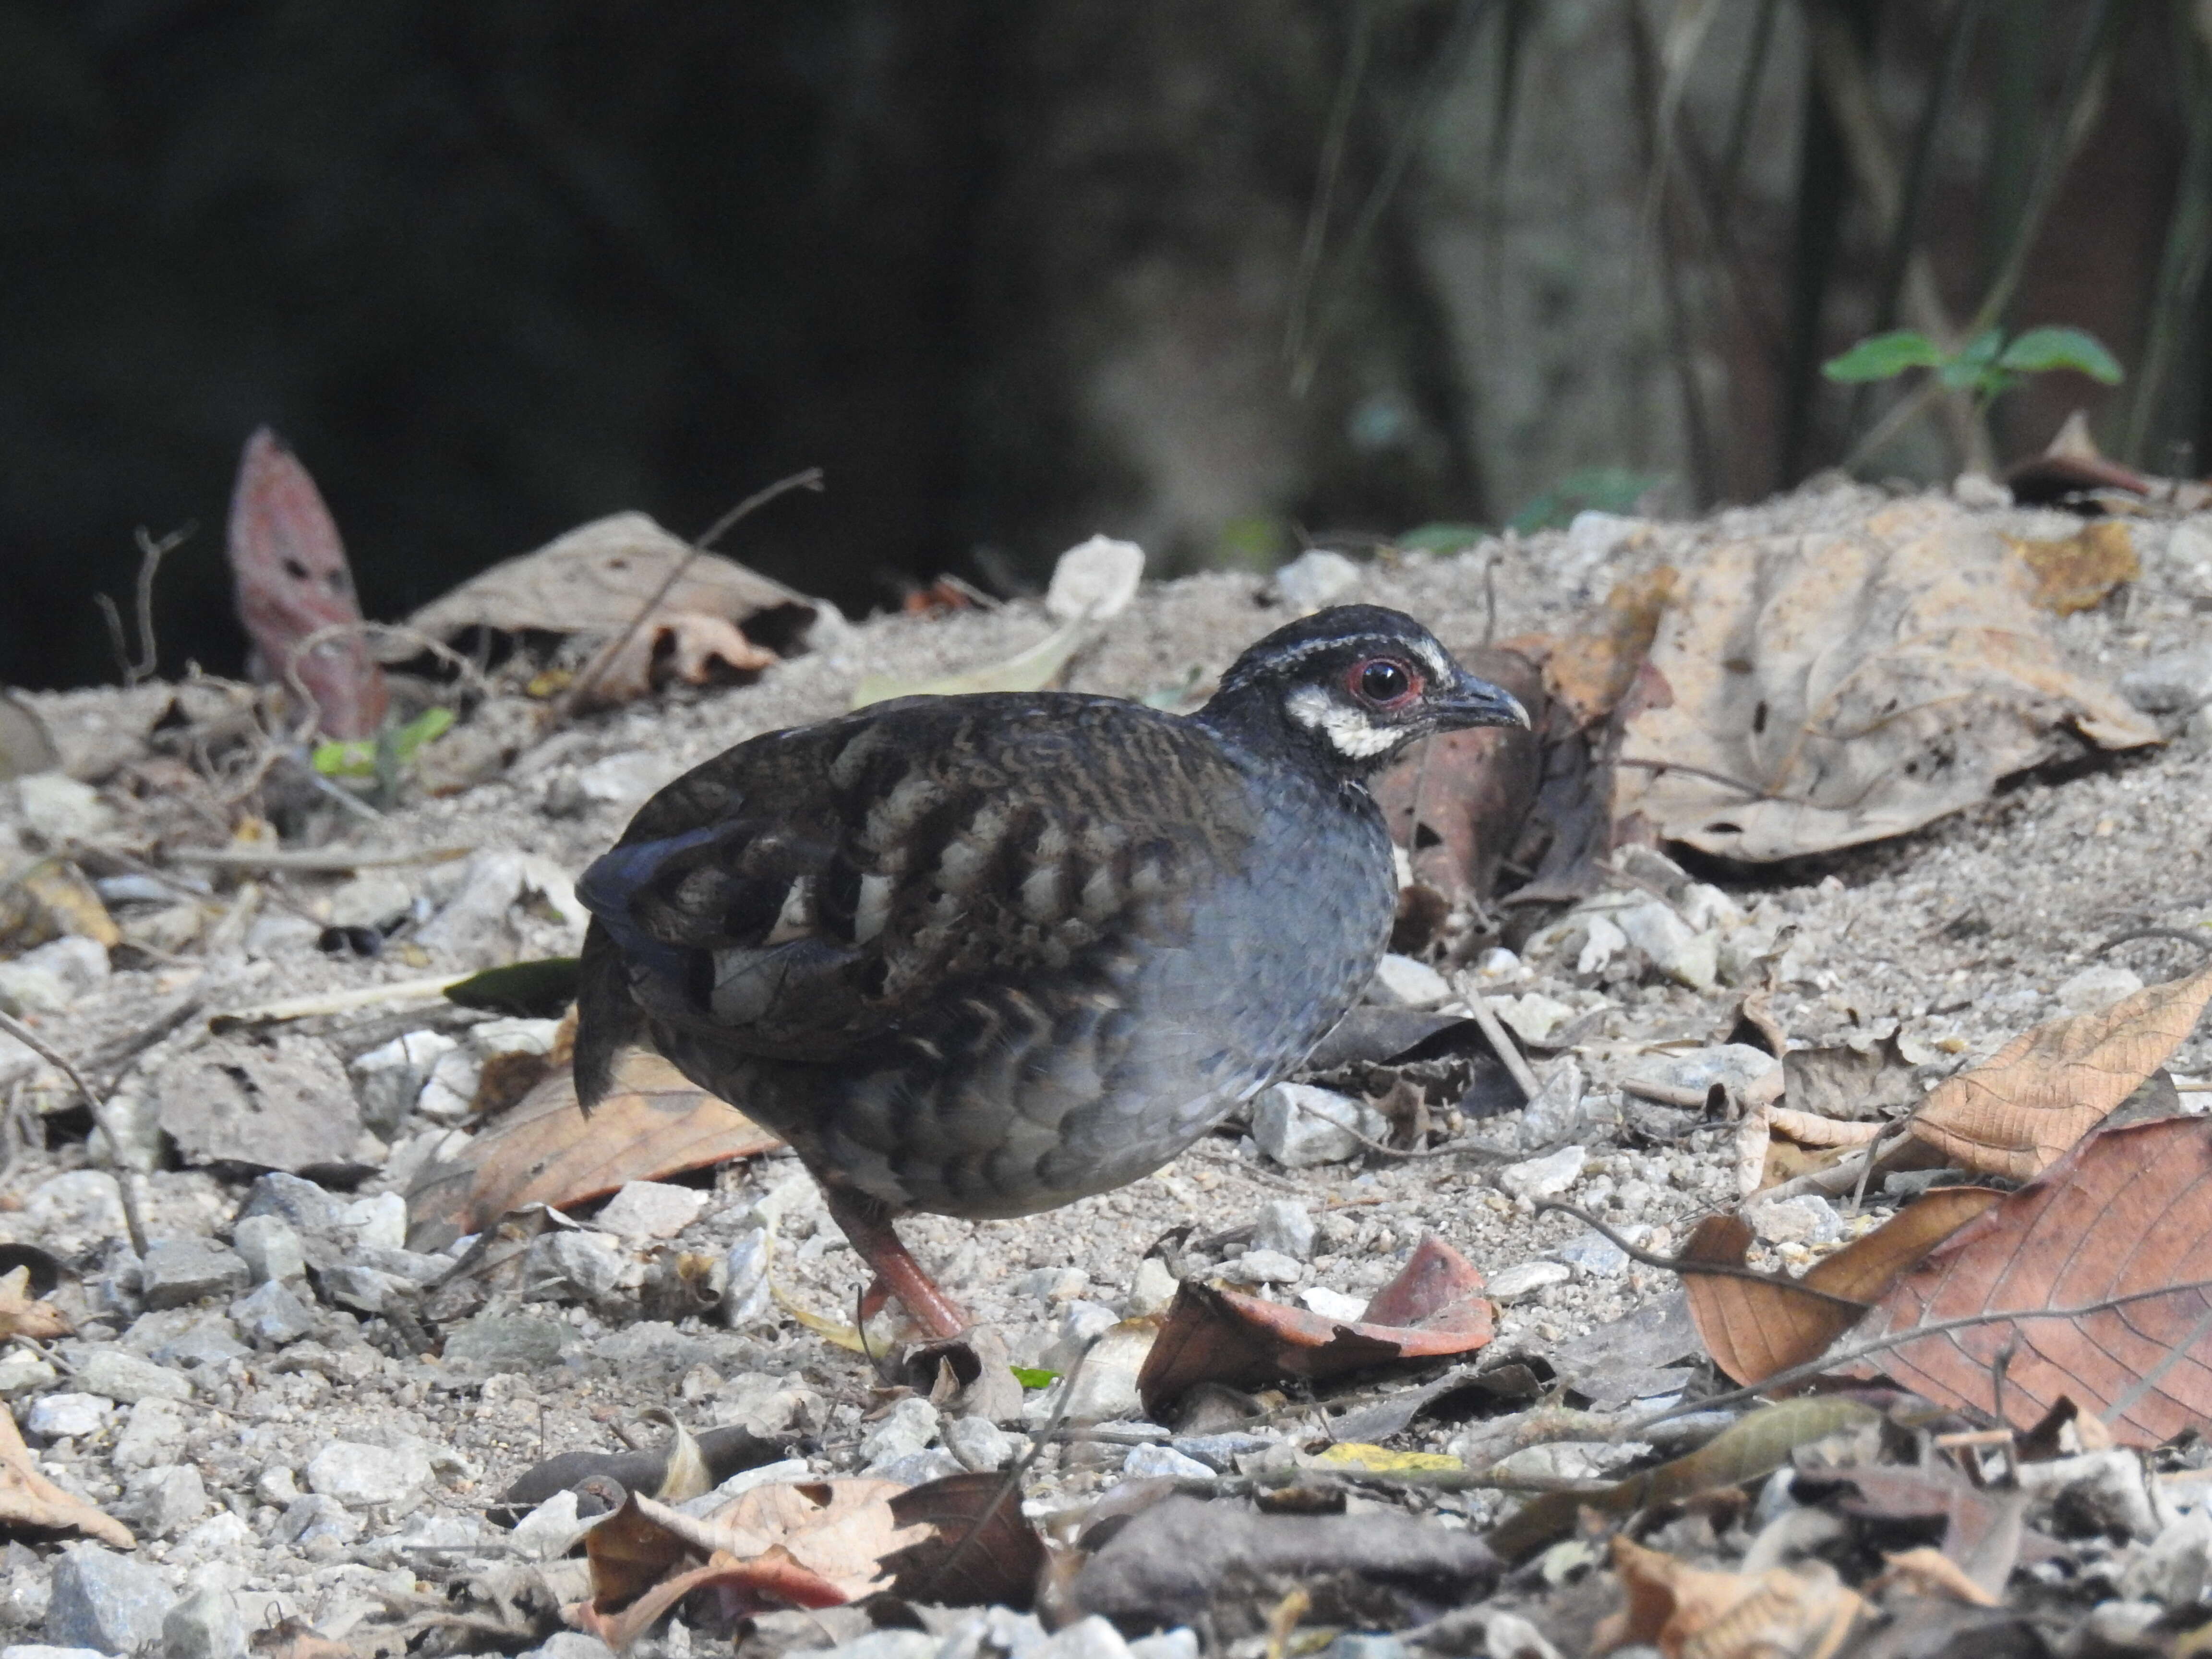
(1953, 939)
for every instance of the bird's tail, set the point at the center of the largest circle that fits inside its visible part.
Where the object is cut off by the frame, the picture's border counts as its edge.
(608, 1018)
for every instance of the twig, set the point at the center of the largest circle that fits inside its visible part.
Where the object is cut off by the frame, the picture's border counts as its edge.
(2182, 934)
(150, 554)
(1682, 1268)
(594, 670)
(1493, 1031)
(335, 1002)
(310, 860)
(53, 1056)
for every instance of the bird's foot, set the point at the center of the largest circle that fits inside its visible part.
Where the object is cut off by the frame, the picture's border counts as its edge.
(868, 1227)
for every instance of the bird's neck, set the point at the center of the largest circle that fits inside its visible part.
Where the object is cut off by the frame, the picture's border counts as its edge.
(1256, 718)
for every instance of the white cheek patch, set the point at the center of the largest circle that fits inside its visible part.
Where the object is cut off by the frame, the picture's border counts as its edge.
(1348, 730)
(1440, 668)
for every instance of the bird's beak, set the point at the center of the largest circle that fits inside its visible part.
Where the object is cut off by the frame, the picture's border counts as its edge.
(1471, 701)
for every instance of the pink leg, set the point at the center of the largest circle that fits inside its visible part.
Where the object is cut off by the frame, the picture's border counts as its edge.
(869, 1229)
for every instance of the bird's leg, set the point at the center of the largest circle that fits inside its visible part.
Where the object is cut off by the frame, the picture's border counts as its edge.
(867, 1226)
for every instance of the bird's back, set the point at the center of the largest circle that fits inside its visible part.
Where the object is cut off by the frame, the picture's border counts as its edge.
(982, 955)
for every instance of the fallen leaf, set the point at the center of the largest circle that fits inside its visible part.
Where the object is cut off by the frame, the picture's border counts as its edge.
(1744, 1451)
(2127, 1211)
(2048, 1087)
(1433, 1307)
(597, 577)
(1804, 1610)
(1808, 1130)
(21, 1316)
(1983, 1526)
(290, 569)
(981, 1550)
(2077, 573)
(51, 900)
(1381, 1460)
(1928, 1572)
(1852, 1083)
(27, 1498)
(655, 1122)
(1839, 687)
(723, 1452)
(1757, 1327)
(680, 644)
(1591, 670)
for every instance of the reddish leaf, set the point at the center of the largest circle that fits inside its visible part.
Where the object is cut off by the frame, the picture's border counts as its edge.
(1434, 1307)
(289, 567)
(2127, 1211)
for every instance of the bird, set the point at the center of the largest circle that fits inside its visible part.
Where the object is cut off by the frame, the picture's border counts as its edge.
(982, 955)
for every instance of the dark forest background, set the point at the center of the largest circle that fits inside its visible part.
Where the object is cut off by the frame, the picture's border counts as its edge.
(1222, 275)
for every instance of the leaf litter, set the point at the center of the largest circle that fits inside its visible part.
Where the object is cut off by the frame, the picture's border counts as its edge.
(1877, 976)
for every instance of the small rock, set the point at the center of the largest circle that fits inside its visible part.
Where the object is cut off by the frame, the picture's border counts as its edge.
(61, 809)
(1298, 1125)
(23, 1371)
(205, 1338)
(1081, 1324)
(1262, 1267)
(1144, 1462)
(2174, 682)
(1602, 942)
(105, 1600)
(897, 1644)
(505, 1342)
(979, 1444)
(316, 1517)
(163, 1500)
(1152, 1288)
(1402, 983)
(282, 1103)
(1670, 944)
(1334, 1304)
(1556, 1114)
(908, 1427)
(548, 1529)
(1594, 1255)
(359, 1476)
(570, 1645)
(1219, 1452)
(1534, 1017)
(2095, 989)
(50, 978)
(1286, 1225)
(153, 1435)
(389, 1079)
(308, 1209)
(269, 1248)
(1370, 1644)
(619, 781)
(1807, 1219)
(2175, 1568)
(747, 1298)
(1315, 578)
(277, 1485)
(1517, 1283)
(68, 1416)
(367, 1290)
(273, 1317)
(69, 1213)
(481, 922)
(205, 1624)
(179, 1271)
(919, 1468)
(1180, 1643)
(376, 1224)
(1980, 490)
(1544, 1178)
(47, 1651)
(651, 1209)
(1735, 1065)
(122, 1375)
(1090, 1638)
(566, 1265)
(1053, 1283)
(220, 1537)
(1573, 1460)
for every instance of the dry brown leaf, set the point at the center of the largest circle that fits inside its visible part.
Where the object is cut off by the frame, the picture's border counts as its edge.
(1755, 1328)
(1591, 670)
(684, 644)
(27, 1498)
(597, 577)
(2077, 573)
(1804, 1610)
(290, 569)
(654, 1123)
(1928, 1572)
(52, 899)
(1839, 687)
(20, 1316)
(2050, 1086)
(1808, 1129)
(2127, 1211)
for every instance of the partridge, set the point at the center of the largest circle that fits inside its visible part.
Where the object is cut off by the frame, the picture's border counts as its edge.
(983, 956)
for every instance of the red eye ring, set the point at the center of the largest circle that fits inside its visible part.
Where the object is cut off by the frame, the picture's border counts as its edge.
(1383, 682)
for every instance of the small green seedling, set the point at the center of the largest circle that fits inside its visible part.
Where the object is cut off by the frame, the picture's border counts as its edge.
(1985, 366)
(359, 758)
(1034, 1376)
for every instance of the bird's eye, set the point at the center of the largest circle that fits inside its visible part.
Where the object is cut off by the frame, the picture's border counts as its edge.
(1382, 682)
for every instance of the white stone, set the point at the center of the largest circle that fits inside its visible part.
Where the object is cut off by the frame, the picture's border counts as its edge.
(475, 923)
(1262, 1267)
(651, 1209)
(1544, 1178)
(1602, 943)
(1980, 490)
(68, 1416)
(375, 898)
(1736, 1065)
(154, 1434)
(1152, 1288)
(1315, 578)
(1298, 1125)
(359, 1476)
(378, 1223)
(548, 1529)
(1525, 1280)
(1534, 1017)
(1670, 944)
(979, 1444)
(1497, 964)
(163, 1500)
(68, 1212)
(23, 1371)
(1402, 982)
(61, 809)
(1334, 1304)
(50, 978)
(2174, 683)
(123, 1376)
(1147, 1462)
(390, 1078)
(1806, 1219)
(1095, 580)
(271, 1247)
(626, 779)
(907, 1428)
(1286, 1225)
(2095, 989)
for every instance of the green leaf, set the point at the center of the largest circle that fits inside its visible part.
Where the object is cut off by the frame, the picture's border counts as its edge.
(351, 758)
(430, 724)
(1032, 1377)
(2041, 349)
(1971, 368)
(1442, 537)
(539, 989)
(1882, 356)
(357, 757)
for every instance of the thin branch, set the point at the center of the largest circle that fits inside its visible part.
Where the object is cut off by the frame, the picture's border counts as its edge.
(1683, 1268)
(54, 1057)
(1331, 170)
(151, 553)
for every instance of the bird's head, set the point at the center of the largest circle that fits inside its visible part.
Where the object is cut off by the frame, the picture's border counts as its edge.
(1358, 682)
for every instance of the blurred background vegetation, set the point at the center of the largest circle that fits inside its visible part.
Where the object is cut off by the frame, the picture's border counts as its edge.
(1225, 277)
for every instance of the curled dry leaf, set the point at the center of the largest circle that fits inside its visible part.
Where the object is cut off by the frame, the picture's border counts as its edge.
(1433, 1307)
(1591, 670)
(28, 1499)
(2128, 1212)
(1804, 1610)
(50, 900)
(682, 644)
(2077, 573)
(1928, 1572)
(1835, 688)
(1757, 1327)
(2048, 1087)
(654, 1123)
(21, 1316)
(290, 569)
(981, 1550)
